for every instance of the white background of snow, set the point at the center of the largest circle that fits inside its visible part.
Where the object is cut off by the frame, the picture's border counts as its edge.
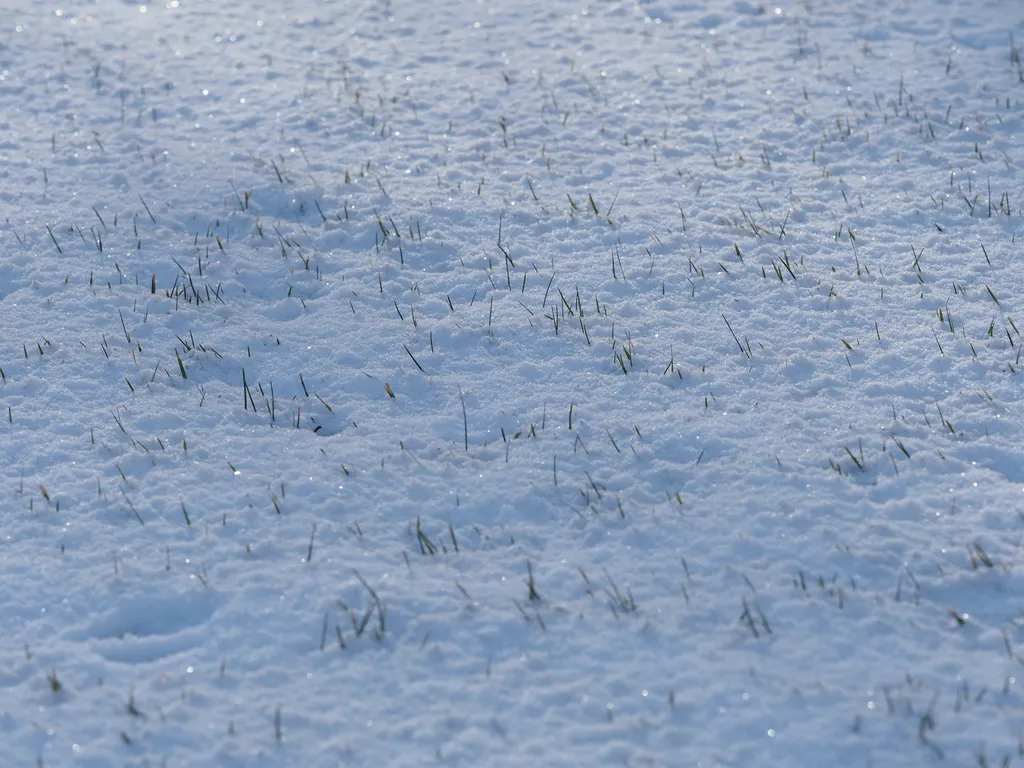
(819, 118)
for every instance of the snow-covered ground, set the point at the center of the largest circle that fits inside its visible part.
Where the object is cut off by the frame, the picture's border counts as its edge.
(529, 382)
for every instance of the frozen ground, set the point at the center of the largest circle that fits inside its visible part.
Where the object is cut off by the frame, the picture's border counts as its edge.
(511, 383)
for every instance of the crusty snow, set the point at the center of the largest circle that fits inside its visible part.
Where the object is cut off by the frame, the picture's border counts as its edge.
(509, 383)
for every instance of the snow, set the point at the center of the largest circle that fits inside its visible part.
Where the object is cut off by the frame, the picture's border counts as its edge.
(392, 383)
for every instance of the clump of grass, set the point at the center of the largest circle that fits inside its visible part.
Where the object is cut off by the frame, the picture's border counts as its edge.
(56, 686)
(531, 585)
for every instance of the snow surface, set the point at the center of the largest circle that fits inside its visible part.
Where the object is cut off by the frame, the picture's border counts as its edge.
(627, 383)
